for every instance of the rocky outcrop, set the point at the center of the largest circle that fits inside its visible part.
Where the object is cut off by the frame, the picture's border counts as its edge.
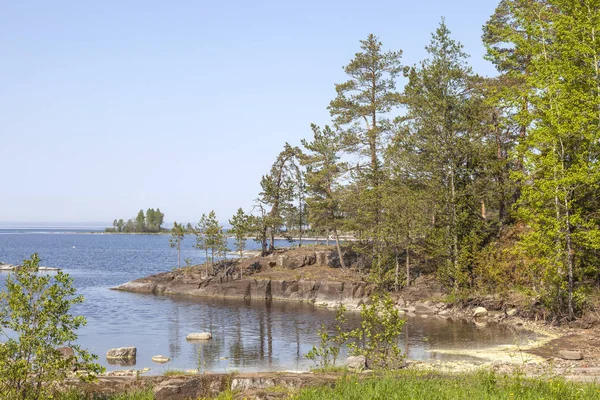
(328, 294)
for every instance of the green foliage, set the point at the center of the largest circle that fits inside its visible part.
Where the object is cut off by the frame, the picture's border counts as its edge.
(377, 337)
(211, 238)
(240, 227)
(325, 355)
(177, 236)
(150, 222)
(411, 385)
(35, 320)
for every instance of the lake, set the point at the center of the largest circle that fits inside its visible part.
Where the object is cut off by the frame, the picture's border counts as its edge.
(247, 336)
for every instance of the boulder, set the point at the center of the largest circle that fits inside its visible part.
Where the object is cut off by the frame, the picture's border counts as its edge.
(199, 336)
(571, 355)
(121, 353)
(479, 312)
(356, 363)
(160, 359)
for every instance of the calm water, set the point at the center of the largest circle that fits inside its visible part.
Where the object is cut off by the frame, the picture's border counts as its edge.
(247, 336)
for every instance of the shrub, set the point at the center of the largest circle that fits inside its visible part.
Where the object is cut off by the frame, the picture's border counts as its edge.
(35, 319)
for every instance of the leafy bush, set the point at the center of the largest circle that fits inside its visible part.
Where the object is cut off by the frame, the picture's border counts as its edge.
(377, 337)
(35, 320)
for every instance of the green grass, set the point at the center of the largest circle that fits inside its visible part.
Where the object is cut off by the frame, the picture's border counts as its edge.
(427, 386)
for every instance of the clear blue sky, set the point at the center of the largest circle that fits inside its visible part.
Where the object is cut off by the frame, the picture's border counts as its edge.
(110, 106)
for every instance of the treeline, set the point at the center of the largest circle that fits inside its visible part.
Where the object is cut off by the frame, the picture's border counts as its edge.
(490, 183)
(211, 237)
(149, 222)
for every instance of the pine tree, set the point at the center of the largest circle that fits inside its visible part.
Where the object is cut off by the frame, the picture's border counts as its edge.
(442, 133)
(177, 236)
(361, 110)
(323, 173)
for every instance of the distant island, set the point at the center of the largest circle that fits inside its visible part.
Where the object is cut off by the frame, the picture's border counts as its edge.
(149, 222)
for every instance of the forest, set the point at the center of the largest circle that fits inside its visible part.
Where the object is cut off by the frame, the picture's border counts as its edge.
(490, 183)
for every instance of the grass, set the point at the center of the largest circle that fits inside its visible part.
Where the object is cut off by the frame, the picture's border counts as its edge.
(481, 386)
(411, 385)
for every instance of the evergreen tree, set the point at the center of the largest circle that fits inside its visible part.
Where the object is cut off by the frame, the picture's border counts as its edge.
(323, 173)
(361, 109)
(240, 227)
(443, 134)
(177, 236)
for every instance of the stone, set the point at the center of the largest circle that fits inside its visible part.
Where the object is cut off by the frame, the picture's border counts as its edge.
(411, 309)
(479, 312)
(570, 355)
(199, 336)
(160, 359)
(121, 353)
(512, 312)
(356, 363)
(444, 313)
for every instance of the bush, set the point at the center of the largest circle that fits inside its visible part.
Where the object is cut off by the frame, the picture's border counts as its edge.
(35, 320)
(377, 337)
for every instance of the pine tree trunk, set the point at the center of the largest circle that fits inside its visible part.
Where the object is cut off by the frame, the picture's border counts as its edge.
(407, 266)
(454, 233)
(339, 249)
(397, 272)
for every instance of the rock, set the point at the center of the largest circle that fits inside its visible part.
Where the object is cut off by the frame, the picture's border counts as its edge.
(179, 389)
(479, 312)
(400, 302)
(199, 336)
(160, 359)
(570, 355)
(121, 353)
(411, 309)
(512, 312)
(356, 363)
(444, 313)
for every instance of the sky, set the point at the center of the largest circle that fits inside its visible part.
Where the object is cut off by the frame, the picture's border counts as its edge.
(107, 107)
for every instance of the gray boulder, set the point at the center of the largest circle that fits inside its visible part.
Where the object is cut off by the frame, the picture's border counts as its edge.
(356, 363)
(121, 353)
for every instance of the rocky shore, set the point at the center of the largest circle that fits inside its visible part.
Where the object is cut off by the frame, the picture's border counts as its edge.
(312, 275)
